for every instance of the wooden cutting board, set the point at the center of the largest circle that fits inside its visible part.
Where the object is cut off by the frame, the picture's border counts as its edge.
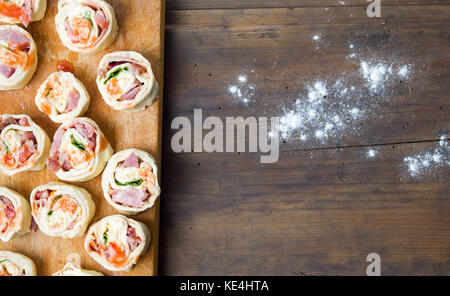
(141, 24)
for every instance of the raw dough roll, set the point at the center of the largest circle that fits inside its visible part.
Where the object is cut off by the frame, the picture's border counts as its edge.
(15, 264)
(126, 81)
(79, 150)
(62, 210)
(72, 269)
(117, 242)
(18, 57)
(22, 11)
(23, 144)
(130, 181)
(62, 97)
(86, 26)
(15, 214)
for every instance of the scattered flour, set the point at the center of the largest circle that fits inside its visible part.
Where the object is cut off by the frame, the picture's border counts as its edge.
(431, 161)
(371, 153)
(242, 90)
(316, 37)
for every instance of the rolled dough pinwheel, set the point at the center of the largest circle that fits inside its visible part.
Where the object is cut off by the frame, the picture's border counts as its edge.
(15, 214)
(126, 81)
(79, 150)
(72, 269)
(15, 264)
(18, 57)
(86, 26)
(23, 145)
(62, 210)
(62, 97)
(22, 11)
(130, 181)
(117, 242)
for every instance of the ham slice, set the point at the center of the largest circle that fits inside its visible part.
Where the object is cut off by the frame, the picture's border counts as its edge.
(29, 136)
(27, 149)
(129, 197)
(131, 94)
(15, 40)
(33, 226)
(132, 161)
(100, 19)
(27, 13)
(53, 165)
(57, 141)
(72, 103)
(7, 121)
(8, 207)
(41, 197)
(85, 129)
(132, 239)
(6, 71)
(23, 122)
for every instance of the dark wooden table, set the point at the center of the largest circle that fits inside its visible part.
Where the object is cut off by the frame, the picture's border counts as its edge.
(325, 205)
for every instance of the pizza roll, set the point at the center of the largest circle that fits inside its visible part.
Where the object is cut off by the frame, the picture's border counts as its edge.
(18, 57)
(62, 97)
(79, 150)
(22, 11)
(116, 242)
(15, 214)
(73, 269)
(23, 145)
(15, 264)
(62, 210)
(126, 81)
(86, 26)
(130, 181)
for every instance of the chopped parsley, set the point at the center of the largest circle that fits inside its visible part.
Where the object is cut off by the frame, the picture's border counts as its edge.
(6, 147)
(105, 237)
(132, 183)
(6, 47)
(48, 92)
(3, 260)
(115, 73)
(87, 16)
(50, 213)
(77, 144)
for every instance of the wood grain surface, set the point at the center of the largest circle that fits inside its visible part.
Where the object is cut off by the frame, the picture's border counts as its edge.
(141, 28)
(324, 206)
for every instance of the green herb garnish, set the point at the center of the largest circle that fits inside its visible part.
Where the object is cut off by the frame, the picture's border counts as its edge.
(115, 73)
(6, 147)
(7, 48)
(132, 183)
(50, 213)
(105, 238)
(4, 260)
(87, 16)
(77, 144)
(48, 92)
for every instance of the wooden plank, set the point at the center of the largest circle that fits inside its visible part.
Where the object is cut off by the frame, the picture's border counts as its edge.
(312, 213)
(256, 4)
(141, 26)
(210, 48)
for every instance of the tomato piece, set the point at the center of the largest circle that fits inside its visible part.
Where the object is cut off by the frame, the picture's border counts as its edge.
(65, 66)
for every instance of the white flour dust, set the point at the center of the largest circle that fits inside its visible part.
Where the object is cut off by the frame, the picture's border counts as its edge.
(431, 161)
(377, 73)
(241, 90)
(372, 152)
